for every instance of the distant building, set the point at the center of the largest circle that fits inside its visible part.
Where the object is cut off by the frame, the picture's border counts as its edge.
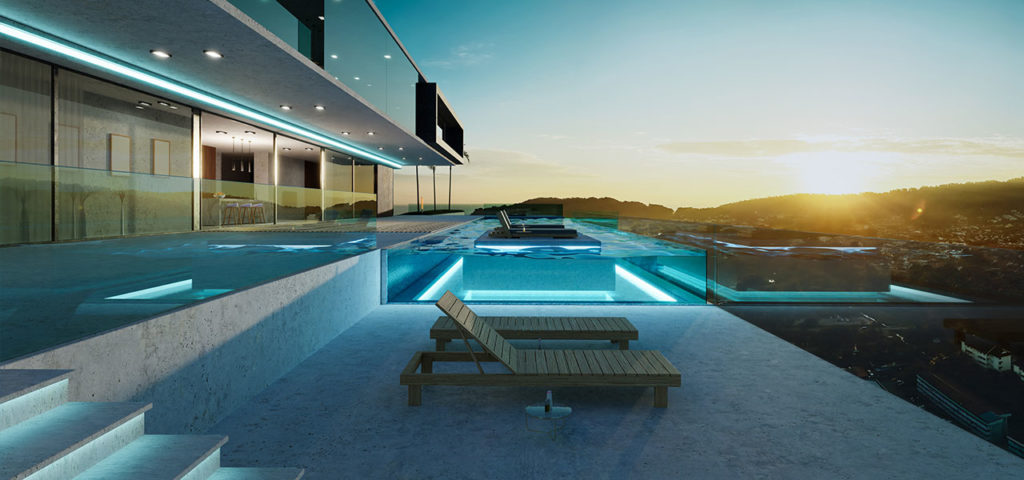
(971, 412)
(986, 353)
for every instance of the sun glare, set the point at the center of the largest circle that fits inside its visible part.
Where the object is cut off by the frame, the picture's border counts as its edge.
(833, 172)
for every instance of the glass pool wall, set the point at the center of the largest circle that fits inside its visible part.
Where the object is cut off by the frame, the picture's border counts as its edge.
(667, 262)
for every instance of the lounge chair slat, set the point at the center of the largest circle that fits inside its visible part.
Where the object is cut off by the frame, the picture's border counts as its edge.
(613, 363)
(613, 360)
(595, 365)
(581, 360)
(530, 367)
(598, 323)
(552, 363)
(652, 365)
(601, 360)
(570, 361)
(563, 368)
(480, 330)
(542, 363)
(627, 365)
(671, 369)
(639, 363)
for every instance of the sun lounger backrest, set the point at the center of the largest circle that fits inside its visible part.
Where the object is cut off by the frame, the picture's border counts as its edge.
(479, 329)
(503, 218)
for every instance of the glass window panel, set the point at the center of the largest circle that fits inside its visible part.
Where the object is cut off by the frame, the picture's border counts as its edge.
(25, 174)
(125, 161)
(299, 180)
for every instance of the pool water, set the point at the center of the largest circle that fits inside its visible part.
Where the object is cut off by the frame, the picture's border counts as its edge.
(625, 270)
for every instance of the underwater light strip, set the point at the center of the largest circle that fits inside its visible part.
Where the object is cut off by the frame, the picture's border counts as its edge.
(647, 288)
(12, 31)
(156, 292)
(435, 288)
(516, 248)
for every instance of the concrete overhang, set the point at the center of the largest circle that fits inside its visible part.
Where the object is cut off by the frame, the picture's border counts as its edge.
(258, 71)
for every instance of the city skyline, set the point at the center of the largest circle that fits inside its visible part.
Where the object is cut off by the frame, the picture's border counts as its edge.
(698, 104)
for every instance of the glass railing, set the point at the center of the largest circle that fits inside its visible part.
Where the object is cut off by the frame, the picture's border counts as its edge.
(89, 203)
(279, 21)
(234, 203)
(296, 204)
(26, 202)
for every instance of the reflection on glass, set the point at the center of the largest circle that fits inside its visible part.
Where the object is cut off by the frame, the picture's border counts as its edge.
(362, 54)
(25, 190)
(132, 154)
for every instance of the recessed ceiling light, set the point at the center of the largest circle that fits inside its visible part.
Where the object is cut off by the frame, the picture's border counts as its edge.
(380, 148)
(250, 132)
(172, 107)
(140, 107)
(286, 107)
(334, 56)
(163, 104)
(387, 57)
(357, 78)
(319, 107)
(321, 17)
(421, 158)
(287, 149)
(160, 53)
(213, 54)
(369, 84)
(145, 103)
(370, 133)
(346, 133)
(309, 148)
(221, 131)
(403, 158)
(401, 149)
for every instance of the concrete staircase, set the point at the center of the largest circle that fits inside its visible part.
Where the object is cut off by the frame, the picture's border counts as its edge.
(43, 437)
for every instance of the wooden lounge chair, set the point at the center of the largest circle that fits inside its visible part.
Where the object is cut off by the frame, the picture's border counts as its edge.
(536, 368)
(616, 329)
(525, 226)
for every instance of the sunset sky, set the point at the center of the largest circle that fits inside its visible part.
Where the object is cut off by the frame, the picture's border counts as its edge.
(699, 103)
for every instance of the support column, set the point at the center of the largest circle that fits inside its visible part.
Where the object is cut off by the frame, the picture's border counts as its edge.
(433, 173)
(417, 188)
(323, 189)
(277, 175)
(197, 171)
(449, 188)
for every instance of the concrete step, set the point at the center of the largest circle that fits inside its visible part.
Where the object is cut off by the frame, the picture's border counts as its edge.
(157, 457)
(67, 440)
(234, 473)
(27, 393)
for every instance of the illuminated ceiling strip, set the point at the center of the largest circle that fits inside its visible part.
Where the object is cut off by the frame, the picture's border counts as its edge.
(111, 66)
(434, 292)
(647, 288)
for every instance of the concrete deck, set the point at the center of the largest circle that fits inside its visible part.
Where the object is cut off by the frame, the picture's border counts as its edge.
(751, 405)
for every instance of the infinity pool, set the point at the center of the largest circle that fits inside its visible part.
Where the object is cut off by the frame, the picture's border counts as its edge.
(625, 270)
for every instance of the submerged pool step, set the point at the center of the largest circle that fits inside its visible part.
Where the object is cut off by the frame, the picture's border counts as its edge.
(236, 473)
(67, 440)
(27, 393)
(159, 457)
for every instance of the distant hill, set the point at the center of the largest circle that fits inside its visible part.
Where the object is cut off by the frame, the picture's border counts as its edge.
(982, 213)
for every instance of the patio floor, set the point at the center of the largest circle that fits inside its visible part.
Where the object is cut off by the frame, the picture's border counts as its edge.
(751, 405)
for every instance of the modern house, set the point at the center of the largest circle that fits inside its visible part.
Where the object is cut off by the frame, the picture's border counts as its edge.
(973, 413)
(160, 117)
(198, 240)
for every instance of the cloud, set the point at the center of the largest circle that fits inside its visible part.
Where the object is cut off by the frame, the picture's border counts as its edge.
(464, 55)
(996, 147)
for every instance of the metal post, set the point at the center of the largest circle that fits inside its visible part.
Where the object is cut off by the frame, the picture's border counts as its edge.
(417, 188)
(433, 172)
(449, 188)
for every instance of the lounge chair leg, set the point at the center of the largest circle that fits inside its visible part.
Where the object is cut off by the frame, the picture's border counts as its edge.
(426, 365)
(660, 396)
(623, 344)
(415, 395)
(440, 344)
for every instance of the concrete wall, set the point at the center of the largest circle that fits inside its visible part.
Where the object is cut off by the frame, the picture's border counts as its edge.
(385, 191)
(199, 363)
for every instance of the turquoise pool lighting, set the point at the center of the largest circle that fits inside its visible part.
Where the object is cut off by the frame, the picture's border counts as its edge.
(646, 287)
(126, 71)
(434, 291)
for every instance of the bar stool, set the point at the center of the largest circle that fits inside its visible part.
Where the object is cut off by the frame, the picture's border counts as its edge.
(231, 211)
(246, 212)
(257, 212)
